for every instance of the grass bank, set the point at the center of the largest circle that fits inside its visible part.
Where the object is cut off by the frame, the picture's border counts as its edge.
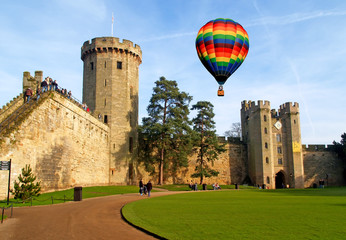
(244, 214)
(68, 195)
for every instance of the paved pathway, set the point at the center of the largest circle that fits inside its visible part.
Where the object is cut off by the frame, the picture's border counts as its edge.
(94, 218)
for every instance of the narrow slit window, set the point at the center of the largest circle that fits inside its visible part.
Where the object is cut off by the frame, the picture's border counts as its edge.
(105, 120)
(119, 65)
(130, 144)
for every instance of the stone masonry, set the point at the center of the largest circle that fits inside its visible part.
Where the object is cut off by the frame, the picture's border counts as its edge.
(110, 89)
(64, 145)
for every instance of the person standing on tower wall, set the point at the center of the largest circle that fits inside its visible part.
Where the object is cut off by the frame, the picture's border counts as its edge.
(55, 85)
(44, 85)
(50, 84)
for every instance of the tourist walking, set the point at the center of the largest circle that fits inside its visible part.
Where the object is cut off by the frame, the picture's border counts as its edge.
(28, 94)
(149, 187)
(38, 93)
(141, 187)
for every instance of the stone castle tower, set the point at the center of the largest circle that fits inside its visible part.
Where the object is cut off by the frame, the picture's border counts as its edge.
(273, 144)
(110, 89)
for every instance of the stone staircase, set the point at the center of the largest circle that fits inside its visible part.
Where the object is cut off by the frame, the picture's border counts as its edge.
(16, 114)
(11, 106)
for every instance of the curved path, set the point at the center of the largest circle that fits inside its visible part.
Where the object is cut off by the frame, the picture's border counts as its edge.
(93, 218)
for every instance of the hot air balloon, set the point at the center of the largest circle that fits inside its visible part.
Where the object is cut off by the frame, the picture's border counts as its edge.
(222, 45)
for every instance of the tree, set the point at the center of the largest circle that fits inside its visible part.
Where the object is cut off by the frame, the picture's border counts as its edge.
(235, 130)
(205, 140)
(340, 149)
(165, 134)
(26, 187)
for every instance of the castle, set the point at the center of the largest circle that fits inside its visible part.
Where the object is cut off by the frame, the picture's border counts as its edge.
(67, 146)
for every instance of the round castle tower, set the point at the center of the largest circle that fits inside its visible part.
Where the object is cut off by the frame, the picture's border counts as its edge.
(110, 89)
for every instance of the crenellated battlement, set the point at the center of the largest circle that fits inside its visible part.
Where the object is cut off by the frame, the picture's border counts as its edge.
(110, 44)
(10, 104)
(252, 106)
(318, 147)
(289, 107)
(30, 81)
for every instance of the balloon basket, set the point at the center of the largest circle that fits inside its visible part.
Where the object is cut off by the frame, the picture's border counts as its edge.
(220, 93)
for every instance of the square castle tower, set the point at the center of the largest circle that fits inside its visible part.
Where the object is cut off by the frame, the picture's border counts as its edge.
(273, 144)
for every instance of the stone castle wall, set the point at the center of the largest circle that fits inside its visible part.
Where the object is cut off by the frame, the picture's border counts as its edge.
(64, 145)
(231, 165)
(322, 163)
(11, 106)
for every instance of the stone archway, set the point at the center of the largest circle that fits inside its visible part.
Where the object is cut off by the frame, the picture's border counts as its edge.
(280, 180)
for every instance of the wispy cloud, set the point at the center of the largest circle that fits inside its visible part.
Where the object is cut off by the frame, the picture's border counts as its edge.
(292, 18)
(297, 77)
(169, 36)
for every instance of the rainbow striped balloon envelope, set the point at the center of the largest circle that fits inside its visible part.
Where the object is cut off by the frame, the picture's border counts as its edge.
(222, 45)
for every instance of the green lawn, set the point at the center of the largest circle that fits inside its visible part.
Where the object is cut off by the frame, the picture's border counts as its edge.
(87, 192)
(244, 214)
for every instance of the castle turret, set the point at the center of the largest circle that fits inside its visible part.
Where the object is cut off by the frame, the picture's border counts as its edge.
(291, 138)
(256, 130)
(110, 89)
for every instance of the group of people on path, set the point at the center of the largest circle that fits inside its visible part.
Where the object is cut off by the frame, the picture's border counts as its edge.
(145, 188)
(194, 186)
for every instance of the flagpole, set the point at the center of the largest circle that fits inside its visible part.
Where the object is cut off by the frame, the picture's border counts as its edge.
(112, 23)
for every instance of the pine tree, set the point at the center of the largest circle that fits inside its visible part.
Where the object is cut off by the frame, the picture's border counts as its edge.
(26, 187)
(206, 142)
(165, 134)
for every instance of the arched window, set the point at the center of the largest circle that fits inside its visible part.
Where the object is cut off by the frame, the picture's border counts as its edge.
(265, 118)
(267, 160)
(266, 145)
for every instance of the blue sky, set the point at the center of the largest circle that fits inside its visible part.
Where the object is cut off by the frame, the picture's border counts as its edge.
(296, 54)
